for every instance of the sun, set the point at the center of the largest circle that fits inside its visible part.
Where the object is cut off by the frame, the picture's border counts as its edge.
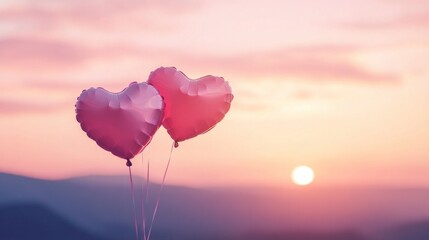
(302, 175)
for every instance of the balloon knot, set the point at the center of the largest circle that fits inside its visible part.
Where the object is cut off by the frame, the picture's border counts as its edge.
(129, 164)
(176, 144)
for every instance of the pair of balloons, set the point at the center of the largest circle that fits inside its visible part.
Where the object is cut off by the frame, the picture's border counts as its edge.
(124, 123)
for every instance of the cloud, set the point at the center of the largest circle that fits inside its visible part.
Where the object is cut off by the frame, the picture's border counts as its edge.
(33, 53)
(311, 63)
(22, 54)
(403, 21)
(409, 21)
(61, 85)
(314, 63)
(97, 15)
(303, 95)
(8, 107)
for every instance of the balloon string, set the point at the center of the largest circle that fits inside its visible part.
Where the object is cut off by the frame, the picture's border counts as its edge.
(134, 199)
(144, 198)
(160, 191)
(147, 180)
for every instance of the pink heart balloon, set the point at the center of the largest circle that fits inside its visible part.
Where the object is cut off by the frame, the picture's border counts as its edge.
(192, 107)
(121, 123)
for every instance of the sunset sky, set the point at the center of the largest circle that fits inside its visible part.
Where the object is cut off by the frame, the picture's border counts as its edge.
(341, 86)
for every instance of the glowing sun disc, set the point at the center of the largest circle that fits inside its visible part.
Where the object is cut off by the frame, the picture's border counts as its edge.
(302, 175)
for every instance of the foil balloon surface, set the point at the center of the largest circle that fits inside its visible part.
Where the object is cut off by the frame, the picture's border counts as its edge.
(192, 107)
(122, 123)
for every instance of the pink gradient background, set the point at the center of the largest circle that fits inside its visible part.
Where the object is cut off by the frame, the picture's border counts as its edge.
(341, 86)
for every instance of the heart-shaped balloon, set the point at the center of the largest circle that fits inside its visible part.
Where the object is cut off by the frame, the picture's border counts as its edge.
(192, 107)
(122, 123)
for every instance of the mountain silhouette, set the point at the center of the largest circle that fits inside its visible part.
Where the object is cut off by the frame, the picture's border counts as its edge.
(341, 235)
(409, 231)
(29, 221)
(102, 205)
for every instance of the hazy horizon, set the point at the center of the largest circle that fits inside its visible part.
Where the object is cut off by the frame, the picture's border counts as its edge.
(255, 186)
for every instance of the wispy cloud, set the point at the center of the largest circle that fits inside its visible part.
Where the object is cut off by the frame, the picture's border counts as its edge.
(314, 63)
(98, 15)
(61, 85)
(33, 53)
(8, 106)
(28, 47)
(409, 19)
(404, 22)
(50, 54)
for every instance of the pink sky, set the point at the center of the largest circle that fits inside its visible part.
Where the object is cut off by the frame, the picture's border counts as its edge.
(341, 86)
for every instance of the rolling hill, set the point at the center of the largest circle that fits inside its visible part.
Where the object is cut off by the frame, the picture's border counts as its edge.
(29, 221)
(102, 206)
